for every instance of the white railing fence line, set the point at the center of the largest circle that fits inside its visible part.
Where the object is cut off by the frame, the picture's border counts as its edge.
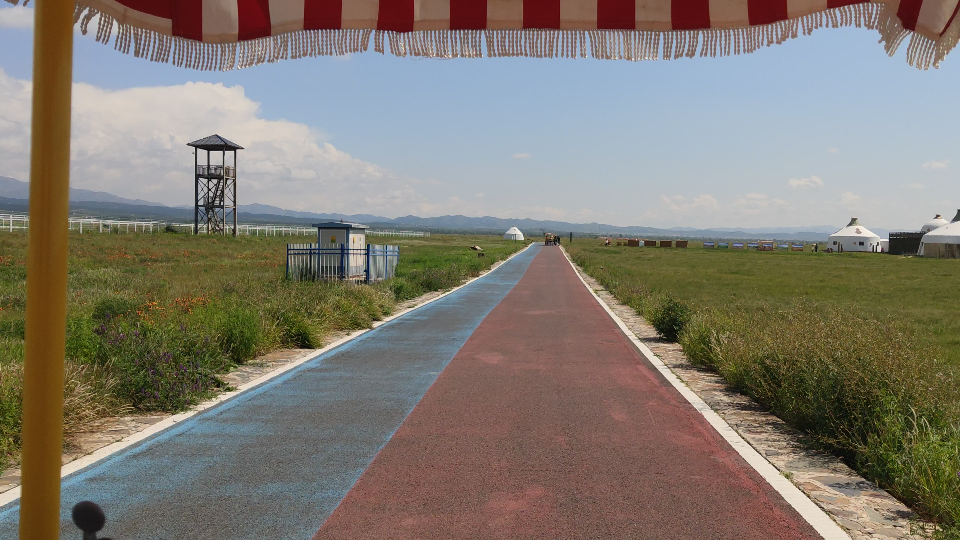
(11, 222)
(409, 234)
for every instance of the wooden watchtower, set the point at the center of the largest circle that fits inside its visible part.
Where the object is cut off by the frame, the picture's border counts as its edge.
(215, 186)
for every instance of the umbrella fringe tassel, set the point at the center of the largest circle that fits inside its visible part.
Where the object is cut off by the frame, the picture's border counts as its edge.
(922, 51)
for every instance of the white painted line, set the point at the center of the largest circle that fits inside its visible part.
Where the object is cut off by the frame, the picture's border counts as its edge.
(85, 461)
(813, 514)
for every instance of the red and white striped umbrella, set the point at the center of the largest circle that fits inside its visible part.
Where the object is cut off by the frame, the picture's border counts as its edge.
(223, 34)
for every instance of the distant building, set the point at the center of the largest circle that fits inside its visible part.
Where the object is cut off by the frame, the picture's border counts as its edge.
(513, 233)
(352, 236)
(854, 237)
(908, 242)
(933, 224)
(942, 242)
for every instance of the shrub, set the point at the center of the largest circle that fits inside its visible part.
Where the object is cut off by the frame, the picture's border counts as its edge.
(14, 327)
(82, 342)
(88, 394)
(403, 289)
(240, 334)
(162, 369)
(296, 331)
(109, 307)
(700, 341)
(11, 403)
(669, 318)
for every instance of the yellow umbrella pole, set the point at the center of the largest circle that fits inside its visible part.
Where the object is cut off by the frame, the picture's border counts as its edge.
(42, 433)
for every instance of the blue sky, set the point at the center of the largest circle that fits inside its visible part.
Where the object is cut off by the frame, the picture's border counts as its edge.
(806, 133)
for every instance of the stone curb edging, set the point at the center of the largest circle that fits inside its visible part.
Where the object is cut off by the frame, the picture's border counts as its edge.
(863, 510)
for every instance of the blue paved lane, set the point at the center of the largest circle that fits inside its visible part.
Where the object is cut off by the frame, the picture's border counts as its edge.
(274, 462)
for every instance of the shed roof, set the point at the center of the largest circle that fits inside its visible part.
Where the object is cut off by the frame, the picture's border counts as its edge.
(215, 142)
(339, 225)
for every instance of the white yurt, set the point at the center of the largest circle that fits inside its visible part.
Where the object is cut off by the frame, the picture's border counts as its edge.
(934, 223)
(942, 242)
(513, 234)
(854, 237)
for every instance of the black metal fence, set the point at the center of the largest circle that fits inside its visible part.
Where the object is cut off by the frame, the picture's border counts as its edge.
(904, 243)
(332, 262)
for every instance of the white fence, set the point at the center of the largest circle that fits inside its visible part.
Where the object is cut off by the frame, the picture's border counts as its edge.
(12, 222)
(410, 234)
(255, 230)
(113, 225)
(19, 222)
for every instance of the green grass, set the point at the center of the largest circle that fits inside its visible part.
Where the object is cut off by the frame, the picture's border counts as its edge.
(910, 289)
(440, 262)
(861, 351)
(154, 320)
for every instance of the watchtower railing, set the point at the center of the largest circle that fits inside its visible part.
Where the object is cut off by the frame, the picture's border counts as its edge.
(227, 171)
(333, 262)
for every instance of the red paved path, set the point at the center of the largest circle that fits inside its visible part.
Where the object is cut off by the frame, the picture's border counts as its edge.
(549, 424)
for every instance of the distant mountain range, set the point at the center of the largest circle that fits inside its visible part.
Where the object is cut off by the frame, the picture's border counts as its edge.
(14, 195)
(11, 188)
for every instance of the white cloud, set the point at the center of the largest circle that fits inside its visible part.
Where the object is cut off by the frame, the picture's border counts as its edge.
(16, 17)
(934, 165)
(848, 198)
(833, 150)
(915, 185)
(803, 183)
(132, 143)
(521, 156)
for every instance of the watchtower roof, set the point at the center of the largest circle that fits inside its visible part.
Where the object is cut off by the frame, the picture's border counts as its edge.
(215, 142)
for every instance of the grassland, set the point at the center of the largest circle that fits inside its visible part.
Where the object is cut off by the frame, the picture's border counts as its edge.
(153, 320)
(859, 350)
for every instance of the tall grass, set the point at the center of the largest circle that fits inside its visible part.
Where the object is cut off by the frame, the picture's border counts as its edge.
(433, 266)
(155, 320)
(876, 389)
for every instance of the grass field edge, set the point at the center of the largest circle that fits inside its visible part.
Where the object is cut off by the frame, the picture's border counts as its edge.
(808, 510)
(95, 457)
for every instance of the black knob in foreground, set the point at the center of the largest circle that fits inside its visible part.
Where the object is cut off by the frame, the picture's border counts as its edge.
(89, 517)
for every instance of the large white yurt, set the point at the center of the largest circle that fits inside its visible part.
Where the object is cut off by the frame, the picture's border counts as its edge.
(942, 242)
(513, 234)
(934, 223)
(854, 237)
